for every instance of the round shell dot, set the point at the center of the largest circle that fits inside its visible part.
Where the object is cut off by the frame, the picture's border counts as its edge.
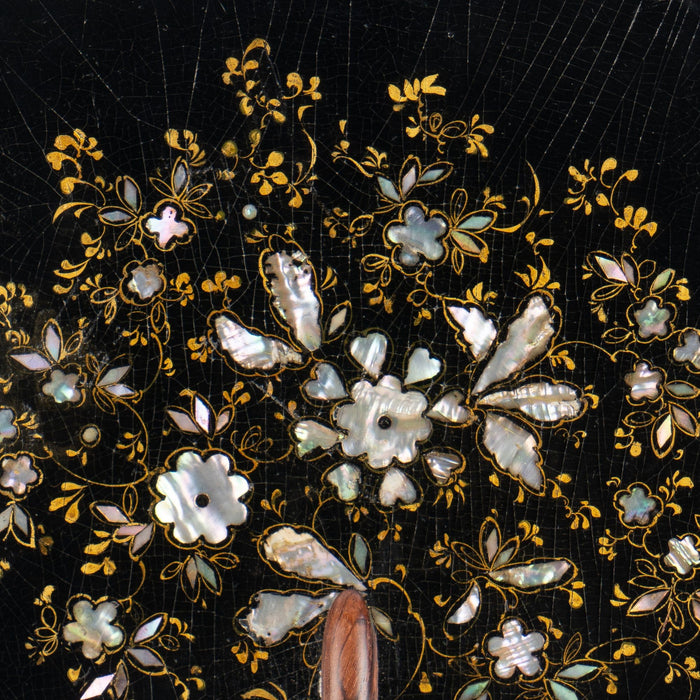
(90, 434)
(250, 211)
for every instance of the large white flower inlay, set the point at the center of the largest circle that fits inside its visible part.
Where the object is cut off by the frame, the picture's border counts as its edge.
(201, 498)
(379, 419)
(383, 422)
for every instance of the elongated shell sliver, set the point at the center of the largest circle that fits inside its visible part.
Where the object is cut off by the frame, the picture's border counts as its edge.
(349, 669)
(292, 284)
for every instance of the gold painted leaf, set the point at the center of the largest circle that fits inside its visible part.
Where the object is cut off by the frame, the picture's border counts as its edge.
(429, 88)
(394, 93)
(295, 82)
(97, 547)
(91, 567)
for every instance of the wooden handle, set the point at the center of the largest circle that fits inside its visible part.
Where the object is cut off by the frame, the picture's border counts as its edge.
(349, 658)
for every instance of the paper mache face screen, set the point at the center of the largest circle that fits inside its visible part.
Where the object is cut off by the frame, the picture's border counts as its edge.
(349, 350)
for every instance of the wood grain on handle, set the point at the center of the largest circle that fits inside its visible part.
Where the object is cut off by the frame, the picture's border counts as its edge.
(349, 658)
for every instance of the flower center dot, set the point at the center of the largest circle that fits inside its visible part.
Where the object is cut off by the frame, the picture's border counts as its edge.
(250, 211)
(202, 500)
(384, 422)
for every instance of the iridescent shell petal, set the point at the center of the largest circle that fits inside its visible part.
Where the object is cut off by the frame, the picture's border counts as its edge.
(297, 551)
(326, 384)
(114, 684)
(203, 413)
(33, 361)
(561, 691)
(148, 629)
(273, 615)
(694, 605)
(684, 420)
(476, 329)
(663, 434)
(421, 367)
(346, 478)
(468, 608)
(579, 670)
(146, 660)
(52, 341)
(490, 543)
(449, 408)
(338, 319)
(611, 268)
(514, 450)
(223, 419)
(8, 429)
(539, 573)
(542, 401)
(141, 539)
(475, 691)
(20, 519)
(442, 463)
(253, 350)
(370, 351)
(291, 281)
(382, 622)
(387, 188)
(682, 390)
(6, 517)
(476, 221)
(527, 338)
(396, 486)
(180, 177)
(360, 553)
(648, 602)
(311, 435)
(408, 180)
